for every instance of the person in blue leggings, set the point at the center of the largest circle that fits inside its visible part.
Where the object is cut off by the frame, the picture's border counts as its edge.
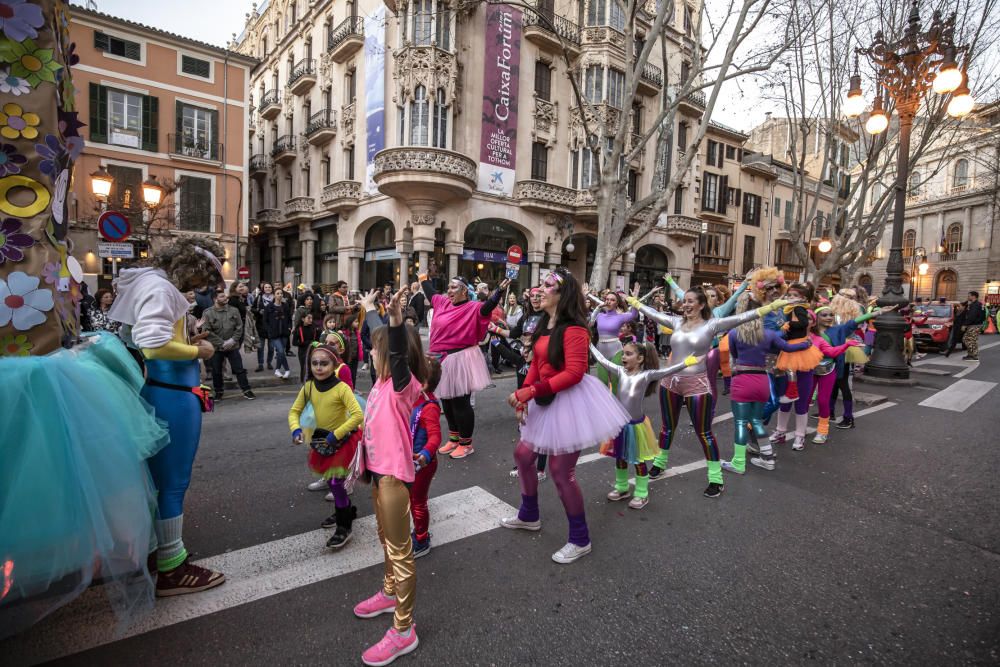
(150, 302)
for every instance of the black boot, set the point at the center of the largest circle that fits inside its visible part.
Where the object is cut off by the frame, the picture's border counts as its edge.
(342, 535)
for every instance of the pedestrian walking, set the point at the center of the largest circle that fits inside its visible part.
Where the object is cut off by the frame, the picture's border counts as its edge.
(277, 327)
(975, 316)
(264, 297)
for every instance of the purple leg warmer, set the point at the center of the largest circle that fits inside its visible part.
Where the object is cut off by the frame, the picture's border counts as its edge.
(340, 498)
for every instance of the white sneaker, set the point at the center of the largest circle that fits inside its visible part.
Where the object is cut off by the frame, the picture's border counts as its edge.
(542, 476)
(786, 399)
(616, 495)
(364, 367)
(777, 437)
(284, 376)
(328, 497)
(515, 523)
(728, 467)
(514, 473)
(318, 485)
(799, 444)
(819, 439)
(760, 462)
(570, 553)
(277, 373)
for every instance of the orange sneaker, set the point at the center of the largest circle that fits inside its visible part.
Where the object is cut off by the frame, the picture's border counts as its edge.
(448, 447)
(462, 451)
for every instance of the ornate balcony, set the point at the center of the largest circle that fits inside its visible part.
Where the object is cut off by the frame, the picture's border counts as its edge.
(195, 148)
(269, 216)
(681, 227)
(322, 127)
(270, 105)
(604, 34)
(425, 173)
(693, 104)
(284, 149)
(342, 196)
(545, 197)
(302, 77)
(258, 165)
(346, 39)
(299, 208)
(551, 33)
(651, 80)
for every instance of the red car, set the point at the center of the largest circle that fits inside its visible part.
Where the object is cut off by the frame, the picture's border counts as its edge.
(934, 332)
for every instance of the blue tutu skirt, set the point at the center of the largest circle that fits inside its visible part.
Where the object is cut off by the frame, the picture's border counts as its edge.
(76, 500)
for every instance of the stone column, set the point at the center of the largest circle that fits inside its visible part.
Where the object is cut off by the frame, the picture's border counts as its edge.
(534, 273)
(424, 259)
(452, 265)
(355, 273)
(939, 231)
(277, 258)
(966, 228)
(308, 238)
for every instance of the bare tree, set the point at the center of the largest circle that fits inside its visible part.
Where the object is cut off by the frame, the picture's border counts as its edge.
(818, 68)
(737, 39)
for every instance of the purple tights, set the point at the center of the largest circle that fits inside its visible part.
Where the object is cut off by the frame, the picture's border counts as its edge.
(805, 380)
(562, 468)
(340, 498)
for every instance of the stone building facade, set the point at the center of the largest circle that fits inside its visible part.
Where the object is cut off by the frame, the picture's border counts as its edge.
(951, 216)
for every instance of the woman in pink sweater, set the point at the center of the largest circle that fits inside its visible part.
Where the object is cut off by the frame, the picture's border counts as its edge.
(458, 325)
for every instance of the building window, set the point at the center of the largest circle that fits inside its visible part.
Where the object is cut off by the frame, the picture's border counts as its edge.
(440, 139)
(595, 12)
(197, 129)
(125, 115)
(710, 159)
(715, 244)
(710, 192)
(196, 66)
(730, 152)
(116, 46)
(688, 20)
(915, 184)
(543, 80)
(946, 285)
(682, 137)
(350, 85)
(423, 22)
(616, 17)
(419, 117)
(679, 201)
(349, 166)
(593, 85)
(751, 209)
(961, 178)
(788, 214)
(685, 71)
(324, 166)
(442, 27)
(428, 120)
(307, 181)
(539, 161)
(588, 168)
(777, 206)
(122, 118)
(195, 208)
(616, 88)
(909, 242)
(749, 252)
(632, 190)
(954, 238)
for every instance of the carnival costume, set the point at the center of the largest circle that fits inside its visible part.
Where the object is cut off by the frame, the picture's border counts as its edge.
(760, 280)
(751, 390)
(691, 385)
(327, 413)
(635, 444)
(425, 430)
(794, 364)
(607, 323)
(828, 379)
(456, 331)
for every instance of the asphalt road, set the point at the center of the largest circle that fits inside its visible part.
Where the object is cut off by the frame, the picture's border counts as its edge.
(882, 546)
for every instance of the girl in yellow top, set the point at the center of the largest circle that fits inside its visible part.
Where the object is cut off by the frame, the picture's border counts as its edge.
(333, 431)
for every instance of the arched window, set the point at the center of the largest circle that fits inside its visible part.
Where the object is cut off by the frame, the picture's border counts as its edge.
(946, 285)
(909, 242)
(419, 117)
(954, 238)
(961, 177)
(423, 22)
(866, 281)
(915, 184)
(440, 139)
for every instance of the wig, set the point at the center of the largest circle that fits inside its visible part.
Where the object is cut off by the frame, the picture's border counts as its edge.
(764, 276)
(845, 306)
(190, 263)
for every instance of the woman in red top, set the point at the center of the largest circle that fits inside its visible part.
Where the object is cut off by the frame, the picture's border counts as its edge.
(563, 410)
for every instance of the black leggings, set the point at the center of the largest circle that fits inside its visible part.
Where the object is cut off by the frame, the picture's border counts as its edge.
(842, 386)
(460, 416)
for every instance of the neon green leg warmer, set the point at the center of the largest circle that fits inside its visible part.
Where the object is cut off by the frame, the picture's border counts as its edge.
(740, 457)
(642, 486)
(621, 480)
(714, 472)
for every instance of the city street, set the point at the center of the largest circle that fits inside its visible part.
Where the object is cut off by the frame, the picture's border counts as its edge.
(882, 546)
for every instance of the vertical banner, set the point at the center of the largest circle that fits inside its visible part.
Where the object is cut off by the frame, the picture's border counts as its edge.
(498, 144)
(374, 91)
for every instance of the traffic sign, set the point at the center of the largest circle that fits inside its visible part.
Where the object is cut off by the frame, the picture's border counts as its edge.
(114, 227)
(243, 272)
(115, 250)
(514, 254)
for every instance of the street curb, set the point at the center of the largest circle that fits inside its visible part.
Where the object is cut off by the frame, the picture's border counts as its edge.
(886, 382)
(869, 399)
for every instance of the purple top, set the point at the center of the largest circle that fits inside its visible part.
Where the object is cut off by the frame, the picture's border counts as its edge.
(608, 323)
(744, 354)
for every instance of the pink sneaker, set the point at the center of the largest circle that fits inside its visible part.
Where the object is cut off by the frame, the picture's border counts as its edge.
(390, 647)
(380, 603)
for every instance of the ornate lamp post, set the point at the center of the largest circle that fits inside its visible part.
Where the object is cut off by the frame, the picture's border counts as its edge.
(906, 69)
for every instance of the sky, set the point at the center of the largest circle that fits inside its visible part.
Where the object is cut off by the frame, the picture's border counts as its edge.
(215, 22)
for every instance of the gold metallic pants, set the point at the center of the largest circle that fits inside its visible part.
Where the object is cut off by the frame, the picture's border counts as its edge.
(392, 515)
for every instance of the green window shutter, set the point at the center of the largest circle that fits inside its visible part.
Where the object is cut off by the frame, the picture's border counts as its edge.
(150, 121)
(98, 113)
(216, 139)
(179, 125)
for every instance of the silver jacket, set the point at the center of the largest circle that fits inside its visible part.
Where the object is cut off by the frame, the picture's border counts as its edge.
(632, 387)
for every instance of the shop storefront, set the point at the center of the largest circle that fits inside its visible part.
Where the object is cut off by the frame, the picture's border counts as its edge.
(327, 245)
(650, 265)
(381, 262)
(485, 256)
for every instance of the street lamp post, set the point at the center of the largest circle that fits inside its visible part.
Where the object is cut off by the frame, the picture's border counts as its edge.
(907, 69)
(920, 252)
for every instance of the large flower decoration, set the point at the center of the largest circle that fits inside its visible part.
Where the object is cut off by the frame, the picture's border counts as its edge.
(53, 155)
(16, 345)
(29, 62)
(22, 303)
(10, 160)
(13, 241)
(12, 85)
(19, 19)
(16, 123)
(50, 271)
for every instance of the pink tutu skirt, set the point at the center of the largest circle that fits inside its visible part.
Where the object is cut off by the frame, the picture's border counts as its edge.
(585, 415)
(462, 373)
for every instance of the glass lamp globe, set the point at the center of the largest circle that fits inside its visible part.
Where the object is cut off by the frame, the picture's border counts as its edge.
(854, 105)
(877, 122)
(947, 80)
(961, 104)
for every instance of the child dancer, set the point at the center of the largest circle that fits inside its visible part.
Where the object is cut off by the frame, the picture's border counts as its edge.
(400, 371)
(425, 428)
(636, 378)
(797, 330)
(332, 431)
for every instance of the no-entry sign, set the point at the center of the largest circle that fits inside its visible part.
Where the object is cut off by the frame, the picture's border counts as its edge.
(113, 227)
(513, 262)
(243, 272)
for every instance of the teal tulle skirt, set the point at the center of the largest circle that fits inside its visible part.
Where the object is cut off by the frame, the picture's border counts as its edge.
(76, 500)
